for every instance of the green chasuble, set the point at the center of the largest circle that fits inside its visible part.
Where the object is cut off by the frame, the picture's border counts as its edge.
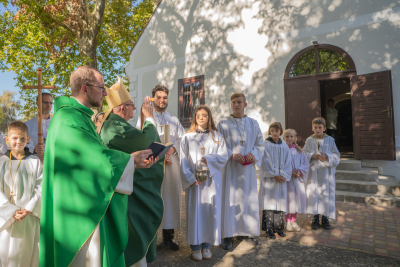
(145, 205)
(80, 175)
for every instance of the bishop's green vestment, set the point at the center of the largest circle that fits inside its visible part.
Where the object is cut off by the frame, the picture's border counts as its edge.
(80, 175)
(145, 204)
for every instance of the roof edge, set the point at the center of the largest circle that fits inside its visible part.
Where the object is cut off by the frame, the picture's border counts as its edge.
(145, 26)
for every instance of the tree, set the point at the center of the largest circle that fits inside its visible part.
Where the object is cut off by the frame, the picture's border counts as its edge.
(9, 109)
(61, 35)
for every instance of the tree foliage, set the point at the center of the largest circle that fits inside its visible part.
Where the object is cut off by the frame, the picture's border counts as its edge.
(9, 109)
(60, 35)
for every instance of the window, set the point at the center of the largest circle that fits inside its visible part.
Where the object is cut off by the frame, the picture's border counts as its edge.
(191, 95)
(328, 61)
(305, 65)
(331, 61)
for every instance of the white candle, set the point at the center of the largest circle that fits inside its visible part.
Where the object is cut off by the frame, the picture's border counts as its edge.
(167, 130)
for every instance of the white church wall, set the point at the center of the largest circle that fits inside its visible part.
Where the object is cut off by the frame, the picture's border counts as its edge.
(246, 46)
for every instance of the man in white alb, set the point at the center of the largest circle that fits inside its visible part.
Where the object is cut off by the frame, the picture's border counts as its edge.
(240, 206)
(171, 190)
(47, 105)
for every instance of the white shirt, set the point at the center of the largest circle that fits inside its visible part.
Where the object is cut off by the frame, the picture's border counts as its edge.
(331, 118)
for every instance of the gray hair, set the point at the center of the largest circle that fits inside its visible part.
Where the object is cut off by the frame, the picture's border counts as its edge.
(81, 76)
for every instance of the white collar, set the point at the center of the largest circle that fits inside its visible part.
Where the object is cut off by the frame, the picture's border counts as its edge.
(78, 101)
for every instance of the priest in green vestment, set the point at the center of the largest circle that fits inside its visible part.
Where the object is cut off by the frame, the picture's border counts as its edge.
(145, 205)
(85, 184)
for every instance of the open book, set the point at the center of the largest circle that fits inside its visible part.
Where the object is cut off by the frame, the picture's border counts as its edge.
(159, 149)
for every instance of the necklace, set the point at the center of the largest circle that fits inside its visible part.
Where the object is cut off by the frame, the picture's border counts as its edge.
(13, 180)
(240, 132)
(203, 149)
(161, 121)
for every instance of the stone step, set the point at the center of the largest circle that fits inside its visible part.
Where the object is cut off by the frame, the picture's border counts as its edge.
(349, 165)
(368, 199)
(362, 175)
(377, 188)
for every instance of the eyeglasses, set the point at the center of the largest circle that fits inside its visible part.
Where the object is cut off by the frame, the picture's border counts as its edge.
(133, 105)
(101, 88)
(47, 103)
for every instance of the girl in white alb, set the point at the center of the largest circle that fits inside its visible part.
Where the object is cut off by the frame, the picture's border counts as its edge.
(296, 188)
(203, 148)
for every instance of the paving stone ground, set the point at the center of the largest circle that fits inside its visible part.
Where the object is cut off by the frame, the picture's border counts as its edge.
(360, 236)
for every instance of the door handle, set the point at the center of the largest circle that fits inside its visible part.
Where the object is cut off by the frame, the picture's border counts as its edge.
(387, 110)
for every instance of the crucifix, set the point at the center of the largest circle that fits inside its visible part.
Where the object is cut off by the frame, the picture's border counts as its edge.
(203, 149)
(39, 87)
(161, 126)
(241, 142)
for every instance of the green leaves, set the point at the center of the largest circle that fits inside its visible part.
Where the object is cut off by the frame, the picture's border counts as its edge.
(45, 34)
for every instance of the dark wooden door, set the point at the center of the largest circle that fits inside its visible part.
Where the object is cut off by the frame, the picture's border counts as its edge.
(373, 122)
(302, 105)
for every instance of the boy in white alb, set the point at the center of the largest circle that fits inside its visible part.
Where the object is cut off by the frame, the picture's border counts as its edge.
(20, 195)
(244, 141)
(324, 156)
(275, 171)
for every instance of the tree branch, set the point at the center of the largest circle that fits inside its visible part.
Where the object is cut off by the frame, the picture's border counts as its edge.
(98, 14)
(43, 14)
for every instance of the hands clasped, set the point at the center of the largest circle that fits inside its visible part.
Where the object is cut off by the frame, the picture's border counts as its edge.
(141, 161)
(296, 173)
(240, 159)
(279, 179)
(21, 214)
(321, 157)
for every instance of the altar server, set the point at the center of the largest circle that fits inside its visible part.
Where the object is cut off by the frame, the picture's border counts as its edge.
(171, 189)
(273, 178)
(20, 195)
(244, 140)
(203, 148)
(296, 187)
(324, 156)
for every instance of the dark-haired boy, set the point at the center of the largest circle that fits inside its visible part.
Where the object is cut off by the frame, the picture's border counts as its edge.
(20, 195)
(324, 157)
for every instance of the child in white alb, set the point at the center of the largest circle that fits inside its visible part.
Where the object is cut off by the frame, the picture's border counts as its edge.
(20, 195)
(296, 187)
(324, 156)
(275, 171)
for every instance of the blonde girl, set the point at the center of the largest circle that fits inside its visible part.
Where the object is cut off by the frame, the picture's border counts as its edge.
(296, 187)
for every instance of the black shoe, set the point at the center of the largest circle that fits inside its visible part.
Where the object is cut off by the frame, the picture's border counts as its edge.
(271, 234)
(171, 243)
(325, 223)
(241, 237)
(227, 243)
(251, 241)
(315, 222)
(280, 233)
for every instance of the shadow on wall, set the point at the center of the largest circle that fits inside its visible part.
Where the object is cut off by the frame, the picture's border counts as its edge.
(246, 45)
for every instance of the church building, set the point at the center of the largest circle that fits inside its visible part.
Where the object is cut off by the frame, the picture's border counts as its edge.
(289, 57)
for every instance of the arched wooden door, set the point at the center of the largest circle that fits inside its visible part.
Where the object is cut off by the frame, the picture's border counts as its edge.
(373, 127)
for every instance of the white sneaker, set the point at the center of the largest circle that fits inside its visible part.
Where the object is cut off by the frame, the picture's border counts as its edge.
(295, 227)
(197, 256)
(289, 227)
(207, 254)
